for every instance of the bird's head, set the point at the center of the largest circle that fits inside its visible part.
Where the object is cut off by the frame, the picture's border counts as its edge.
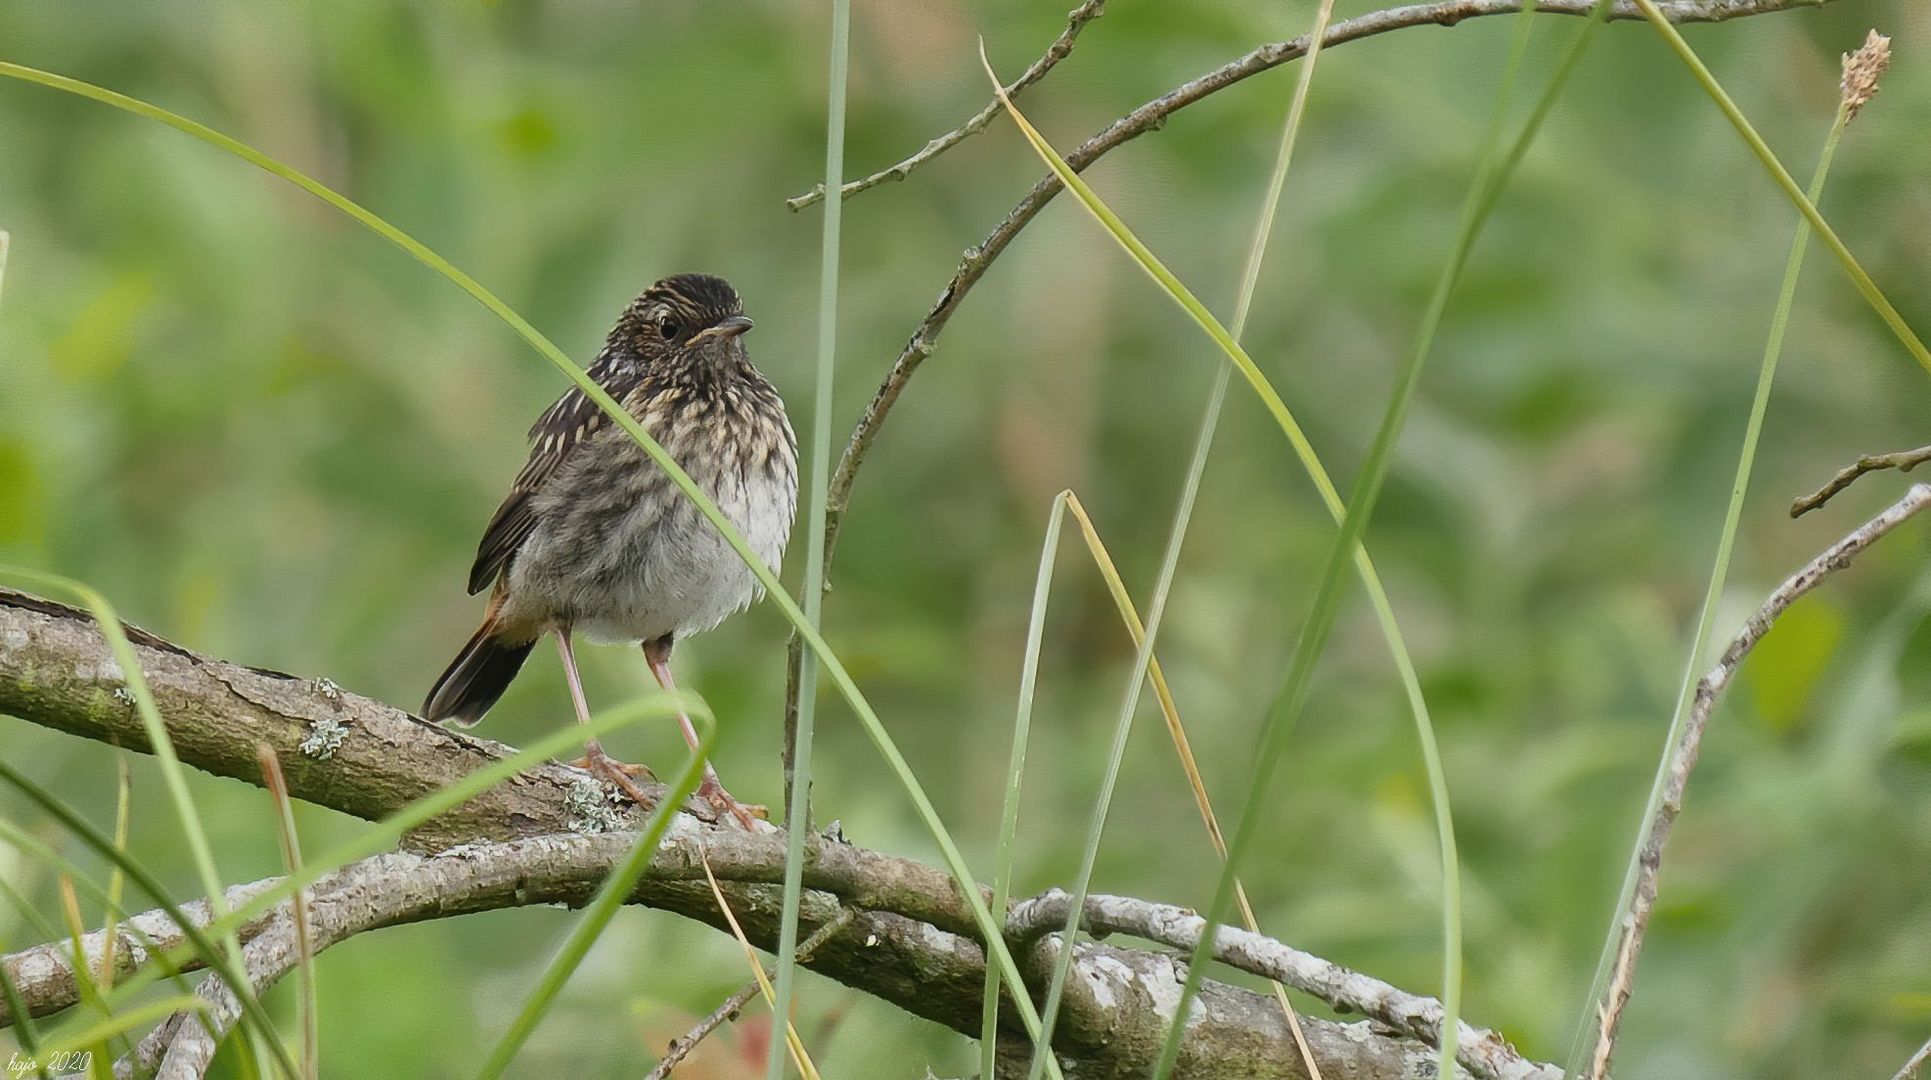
(693, 321)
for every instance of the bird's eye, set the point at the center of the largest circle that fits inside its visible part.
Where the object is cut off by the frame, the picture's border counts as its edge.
(668, 327)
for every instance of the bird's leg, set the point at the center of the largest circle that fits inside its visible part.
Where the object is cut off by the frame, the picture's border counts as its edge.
(657, 655)
(594, 760)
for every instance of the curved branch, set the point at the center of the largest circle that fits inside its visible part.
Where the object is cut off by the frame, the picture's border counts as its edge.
(1153, 115)
(1683, 756)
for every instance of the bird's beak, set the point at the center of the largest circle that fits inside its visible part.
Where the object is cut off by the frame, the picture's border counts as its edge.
(725, 329)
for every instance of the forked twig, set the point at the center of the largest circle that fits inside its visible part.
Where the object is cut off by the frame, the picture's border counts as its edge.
(1902, 461)
(1062, 45)
(680, 1048)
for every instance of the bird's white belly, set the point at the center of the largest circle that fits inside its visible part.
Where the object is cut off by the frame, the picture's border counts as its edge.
(677, 575)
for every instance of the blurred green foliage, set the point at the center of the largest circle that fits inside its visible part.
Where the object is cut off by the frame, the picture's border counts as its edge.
(270, 436)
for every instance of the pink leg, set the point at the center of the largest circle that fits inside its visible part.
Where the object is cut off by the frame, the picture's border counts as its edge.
(594, 760)
(657, 655)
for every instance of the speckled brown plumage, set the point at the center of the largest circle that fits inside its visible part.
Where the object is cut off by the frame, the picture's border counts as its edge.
(593, 537)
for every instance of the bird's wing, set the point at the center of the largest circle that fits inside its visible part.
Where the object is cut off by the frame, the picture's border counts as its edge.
(566, 425)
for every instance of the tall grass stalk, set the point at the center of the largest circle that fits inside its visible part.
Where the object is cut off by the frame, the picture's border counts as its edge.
(1065, 504)
(1586, 1027)
(868, 717)
(1805, 204)
(1491, 178)
(597, 917)
(797, 819)
(1298, 440)
(1015, 773)
(1176, 539)
(116, 880)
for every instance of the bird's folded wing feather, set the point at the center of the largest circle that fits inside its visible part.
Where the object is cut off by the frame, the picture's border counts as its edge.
(566, 425)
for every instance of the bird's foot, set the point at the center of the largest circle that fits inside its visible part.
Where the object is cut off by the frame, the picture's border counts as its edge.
(720, 800)
(622, 775)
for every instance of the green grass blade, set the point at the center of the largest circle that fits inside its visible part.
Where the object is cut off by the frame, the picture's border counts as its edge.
(1183, 516)
(868, 717)
(1490, 180)
(1805, 204)
(109, 900)
(217, 959)
(116, 881)
(31, 845)
(610, 899)
(1586, 1027)
(122, 1022)
(1016, 768)
(384, 834)
(798, 814)
(1296, 437)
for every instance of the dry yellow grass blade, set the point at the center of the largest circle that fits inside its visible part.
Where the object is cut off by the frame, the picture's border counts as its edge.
(798, 1055)
(1170, 712)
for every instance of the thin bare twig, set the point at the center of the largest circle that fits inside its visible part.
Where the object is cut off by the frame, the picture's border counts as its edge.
(1902, 461)
(1153, 115)
(1062, 45)
(680, 1048)
(1683, 759)
(1917, 1063)
(1484, 1053)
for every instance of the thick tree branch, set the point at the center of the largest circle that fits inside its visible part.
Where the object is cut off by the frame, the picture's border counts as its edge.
(1152, 116)
(339, 749)
(1683, 756)
(908, 939)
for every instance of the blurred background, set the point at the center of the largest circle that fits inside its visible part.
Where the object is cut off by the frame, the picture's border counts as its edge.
(269, 435)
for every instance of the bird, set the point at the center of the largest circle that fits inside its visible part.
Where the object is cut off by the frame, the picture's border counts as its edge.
(595, 539)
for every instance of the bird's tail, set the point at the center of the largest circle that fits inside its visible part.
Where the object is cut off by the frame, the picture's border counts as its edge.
(478, 675)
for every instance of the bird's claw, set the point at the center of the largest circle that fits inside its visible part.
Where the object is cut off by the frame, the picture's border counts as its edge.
(722, 803)
(621, 775)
